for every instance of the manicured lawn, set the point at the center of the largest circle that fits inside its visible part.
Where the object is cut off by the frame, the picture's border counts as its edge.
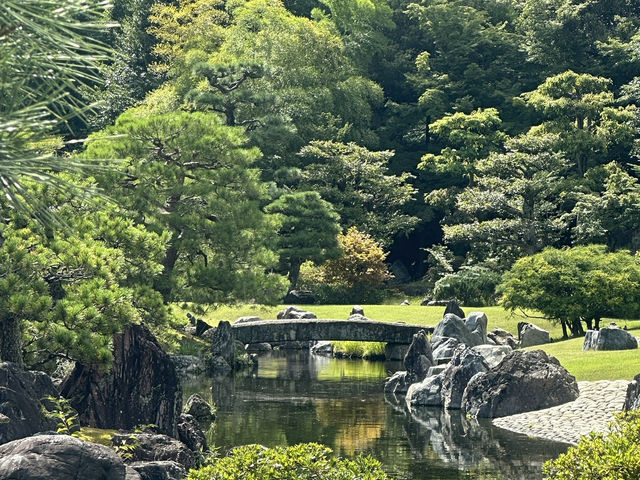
(583, 365)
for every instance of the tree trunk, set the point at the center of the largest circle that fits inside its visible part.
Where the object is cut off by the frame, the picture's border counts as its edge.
(589, 323)
(11, 341)
(294, 273)
(597, 324)
(565, 334)
(576, 328)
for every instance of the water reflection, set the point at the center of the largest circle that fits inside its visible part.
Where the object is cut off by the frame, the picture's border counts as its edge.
(296, 397)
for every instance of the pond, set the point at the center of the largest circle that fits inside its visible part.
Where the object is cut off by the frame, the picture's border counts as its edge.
(297, 397)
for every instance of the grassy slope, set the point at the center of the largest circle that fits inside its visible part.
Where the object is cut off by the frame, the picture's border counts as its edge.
(584, 365)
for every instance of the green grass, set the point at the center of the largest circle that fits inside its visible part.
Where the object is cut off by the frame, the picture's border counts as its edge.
(359, 349)
(588, 365)
(96, 435)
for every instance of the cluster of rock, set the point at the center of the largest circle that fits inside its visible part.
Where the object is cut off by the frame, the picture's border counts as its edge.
(464, 367)
(141, 388)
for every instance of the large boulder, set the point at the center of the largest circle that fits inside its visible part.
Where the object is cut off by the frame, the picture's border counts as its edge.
(476, 323)
(294, 313)
(522, 382)
(357, 310)
(300, 297)
(59, 457)
(632, 400)
(427, 393)
(454, 307)
(141, 388)
(498, 336)
(493, 354)
(154, 446)
(159, 470)
(531, 335)
(223, 344)
(609, 338)
(419, 357)
(201, 327)
(464, 365)
(200, 409)
(398, 383)
(452, 326)
(21, 406)
(188, 365)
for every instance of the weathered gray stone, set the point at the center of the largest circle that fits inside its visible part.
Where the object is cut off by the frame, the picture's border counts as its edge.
(259, 347)
(444, 349)
(357, 310)
(454, 307)
(476, 323)
(531, 335)
(159, 470)
(190, 433)
(452, 326)
(437, 303)
(419, 357)
(609, 338)
(223, 343)
(294, 313)
(21, 407)
(632, 400)
(322, 348)
(141, 388)
(405, 303)
(200, 409)
(522, 382)
(502, 337)
(427, 393)
(493, 354)
(151, 447)
(425, 301)
(59, 457)
(465, 364)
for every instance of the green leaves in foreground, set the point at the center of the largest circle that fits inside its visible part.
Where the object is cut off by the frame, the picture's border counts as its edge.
(612, 457)
(306, 461)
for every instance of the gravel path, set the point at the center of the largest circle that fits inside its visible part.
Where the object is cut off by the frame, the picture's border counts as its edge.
(590, 412)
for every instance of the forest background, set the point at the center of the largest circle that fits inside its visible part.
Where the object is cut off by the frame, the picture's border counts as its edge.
(216, 151)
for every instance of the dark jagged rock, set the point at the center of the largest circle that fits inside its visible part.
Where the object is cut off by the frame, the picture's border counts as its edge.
(159, 470)
(454, 307)
(200, 409)
(476, 323)
(425, 302)
(522, 382)
(21, 404)
(222, 354)
(452, 326)
(154, 446)
(59, 457)
(190, 433)
(201, 327)
(632, 400)
(419, 357)
(300, 297)
(141, 388)
(466, 363)
(427, 393)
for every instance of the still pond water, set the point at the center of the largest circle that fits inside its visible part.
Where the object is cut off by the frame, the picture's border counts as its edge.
(296, 397)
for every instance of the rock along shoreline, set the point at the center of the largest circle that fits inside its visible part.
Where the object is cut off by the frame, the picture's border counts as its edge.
(590, 412)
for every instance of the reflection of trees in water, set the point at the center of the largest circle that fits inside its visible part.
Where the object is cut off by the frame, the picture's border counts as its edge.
(360, 423)
(475, 446)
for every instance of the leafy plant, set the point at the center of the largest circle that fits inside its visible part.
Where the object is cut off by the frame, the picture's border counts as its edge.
(305, 461)
(67, 417)
(602, 457)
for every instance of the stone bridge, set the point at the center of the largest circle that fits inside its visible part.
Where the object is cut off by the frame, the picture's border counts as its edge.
(397, 335)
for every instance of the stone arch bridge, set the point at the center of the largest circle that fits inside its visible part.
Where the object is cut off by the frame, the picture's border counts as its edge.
(397, 335)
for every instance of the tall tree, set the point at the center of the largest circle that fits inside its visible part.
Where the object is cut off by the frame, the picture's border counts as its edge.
(308, 230)
(356, 182)
(191, 176)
